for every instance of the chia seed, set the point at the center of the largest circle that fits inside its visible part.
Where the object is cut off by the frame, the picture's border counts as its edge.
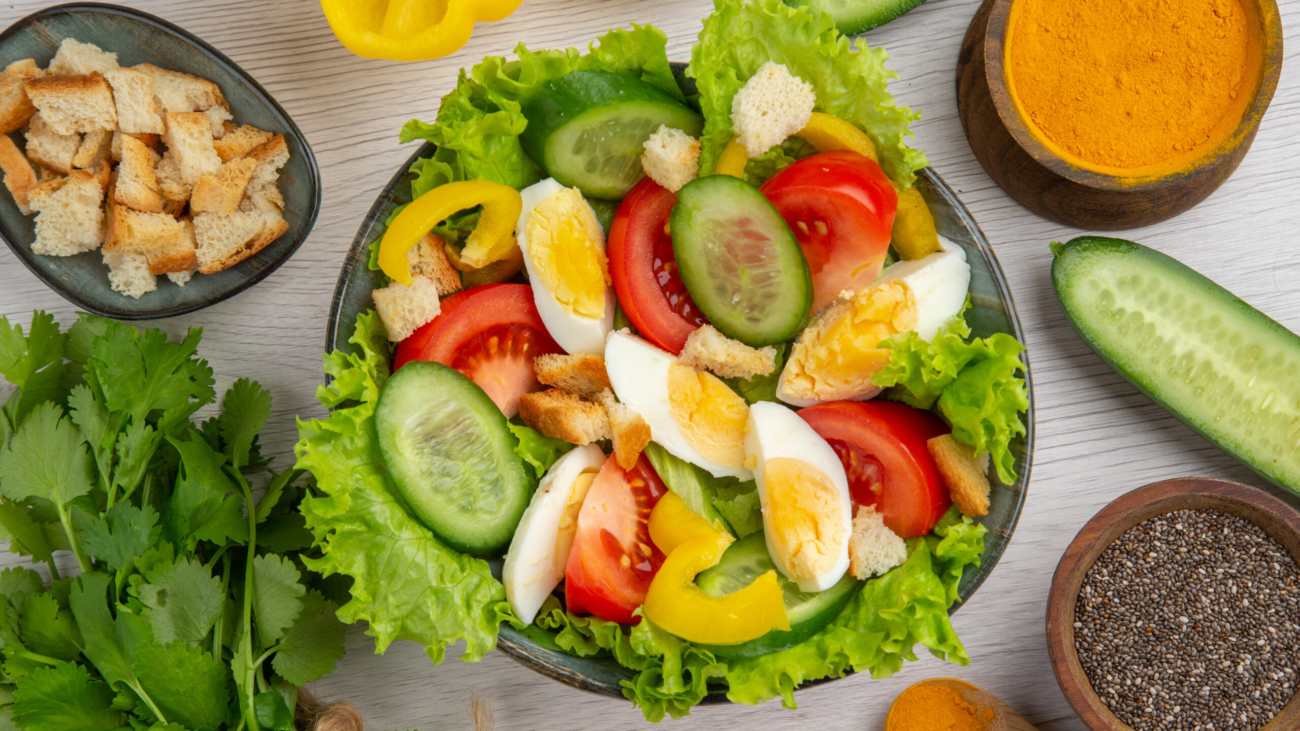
(1190, 621)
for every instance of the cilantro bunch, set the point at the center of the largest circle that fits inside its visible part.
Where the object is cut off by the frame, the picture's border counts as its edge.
(192, 608)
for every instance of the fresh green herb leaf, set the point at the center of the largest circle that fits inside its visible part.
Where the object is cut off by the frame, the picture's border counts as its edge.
(63, 698)
(271, 500)
(246, 406)
(184, 600)
(284, 534)
(31, 536)
(110, 643)
(34, 363)
(17, 583)
(48, 629)
(92, 418)
(277, 593)
(135, 448)
(46, 458)
(140, 372)
(310, 648)
(206, 504)
(122, 535)
(187, 685)
(273, 713)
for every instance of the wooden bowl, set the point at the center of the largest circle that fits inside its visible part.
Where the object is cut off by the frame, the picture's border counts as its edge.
(1279, 520)
(1060, 190)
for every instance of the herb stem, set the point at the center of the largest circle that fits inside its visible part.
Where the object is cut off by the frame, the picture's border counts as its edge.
(34, 657)
(218, 632)
(135, 685)
(248, 578)
(66, 519)
(258, 662)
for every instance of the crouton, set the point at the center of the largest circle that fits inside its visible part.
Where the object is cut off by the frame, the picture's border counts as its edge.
(74, 104)
(582, 374)
(15, 108)
(708, 349)
(671, 158)
(178, 92)
(137, 182)
(180, 263)
(103, 172)
(222, 191)
(137, 105)
(18, 172)
(49, 148)
(217, 119)
(75, 58)
(173, 189)
(874, 549)
(429, 259)
(128, 273)
(965, 475)
(630, 432)
(149, 140)
(238, 141)
(404, 309)
(225, 240)
(563, 416)
(95, 146)
(770, 107)
(180, 279)
(270, 156)
(70, 219)
(189, 140)
(143, 233)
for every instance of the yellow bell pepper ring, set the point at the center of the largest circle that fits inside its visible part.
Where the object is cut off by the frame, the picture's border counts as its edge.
(914, 236)
(733, 160)
(678, 606)
(828, 133)
(410, 30)
(493, 239)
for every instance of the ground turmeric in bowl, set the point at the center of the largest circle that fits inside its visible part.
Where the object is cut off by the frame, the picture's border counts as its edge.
(937, 706)
(1129, 87)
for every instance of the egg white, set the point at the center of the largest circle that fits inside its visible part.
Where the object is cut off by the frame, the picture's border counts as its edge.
(638, 371)
(533, 568)
(775, 431)
(939, 283)
(575, 333)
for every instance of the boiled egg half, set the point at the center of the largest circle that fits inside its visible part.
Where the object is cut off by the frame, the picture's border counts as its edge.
(564, 252)
(807, 516)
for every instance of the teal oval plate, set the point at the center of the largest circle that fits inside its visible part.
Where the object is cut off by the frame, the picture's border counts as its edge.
(137, 38)
(992, 311)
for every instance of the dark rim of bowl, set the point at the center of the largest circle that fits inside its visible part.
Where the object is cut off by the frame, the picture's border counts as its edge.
(302, 231)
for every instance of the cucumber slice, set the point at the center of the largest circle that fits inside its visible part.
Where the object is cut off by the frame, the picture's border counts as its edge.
(450, 452)
(746, 560)
(1221, 366)
(740, 261)
(859, 16)
(588, 129)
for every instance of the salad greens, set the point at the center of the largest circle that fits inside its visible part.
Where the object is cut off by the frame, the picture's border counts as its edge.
(182, 617)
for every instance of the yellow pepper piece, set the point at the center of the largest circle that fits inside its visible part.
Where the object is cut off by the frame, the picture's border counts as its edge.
(914, 235)
(828, 133)
(733, 160)
(410, 30)
(493, 239)
(677, 605)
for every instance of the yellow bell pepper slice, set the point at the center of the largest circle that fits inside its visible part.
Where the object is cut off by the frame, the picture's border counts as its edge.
(678, 606)
(828, 133)
(410, 30)
(733, 160)
(914, 236)
(493, 239)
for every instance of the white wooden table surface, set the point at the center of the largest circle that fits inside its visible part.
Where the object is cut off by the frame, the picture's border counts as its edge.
(1096, 436)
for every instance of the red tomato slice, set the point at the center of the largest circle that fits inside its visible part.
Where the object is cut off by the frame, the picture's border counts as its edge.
(491, 334)
(644, 270)
(613, 559)
(882, 447)
(840, 206)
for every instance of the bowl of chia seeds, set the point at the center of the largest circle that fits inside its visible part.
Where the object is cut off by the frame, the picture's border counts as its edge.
(1177, 608)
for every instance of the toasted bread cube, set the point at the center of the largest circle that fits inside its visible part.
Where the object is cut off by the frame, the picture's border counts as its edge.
(74, 104)
(180, 279)
(137, 105)
(15, 107)
(770, 107)
(222, 191)
(964, 474)
(874, 549)
(129, 274)
(709, 349)
(174, 190)
(189, 140)
(18, 172)
(582, 374)
(225, 240)
(671, 158)
(178, 92)
(137, 182)
(271, 156)
(142, 233)
(151, 141)
(75, 58)
(217, 119)
(404, 309)
(429, 259)
(181, 264)
(103, 172)
(95, 146)
(563, 416)
(49, 148)
(239, 141)
(70, 217)
(630, 432)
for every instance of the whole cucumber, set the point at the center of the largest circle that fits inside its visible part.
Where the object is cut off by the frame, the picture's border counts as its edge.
(1221, 366)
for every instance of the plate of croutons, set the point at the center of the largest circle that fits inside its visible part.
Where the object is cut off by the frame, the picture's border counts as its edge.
(146, 174)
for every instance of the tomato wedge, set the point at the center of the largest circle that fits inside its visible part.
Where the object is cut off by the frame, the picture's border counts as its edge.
(613, 559)
(841, 207)
(491, 334)
(644, 270)
(882, 447)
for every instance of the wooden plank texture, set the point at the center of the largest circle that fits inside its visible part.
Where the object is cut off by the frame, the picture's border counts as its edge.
(1097, 437)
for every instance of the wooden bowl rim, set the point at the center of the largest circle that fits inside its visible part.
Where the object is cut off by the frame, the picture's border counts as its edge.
(1276, 518)
(995, 46)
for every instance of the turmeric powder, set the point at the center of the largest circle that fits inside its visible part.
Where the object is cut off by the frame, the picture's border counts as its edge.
(936, 706)
(1133, 87)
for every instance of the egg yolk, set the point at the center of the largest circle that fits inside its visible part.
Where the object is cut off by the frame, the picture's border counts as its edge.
(567, 250)
(710, 415)
(806, 517)
(837, 355)
(569, 518)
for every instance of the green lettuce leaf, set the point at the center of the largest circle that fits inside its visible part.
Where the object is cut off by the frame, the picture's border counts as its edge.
(696, 487)
(742, 35)
(761, 388)
(538, 451)
(407, 584)
(676, 676)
